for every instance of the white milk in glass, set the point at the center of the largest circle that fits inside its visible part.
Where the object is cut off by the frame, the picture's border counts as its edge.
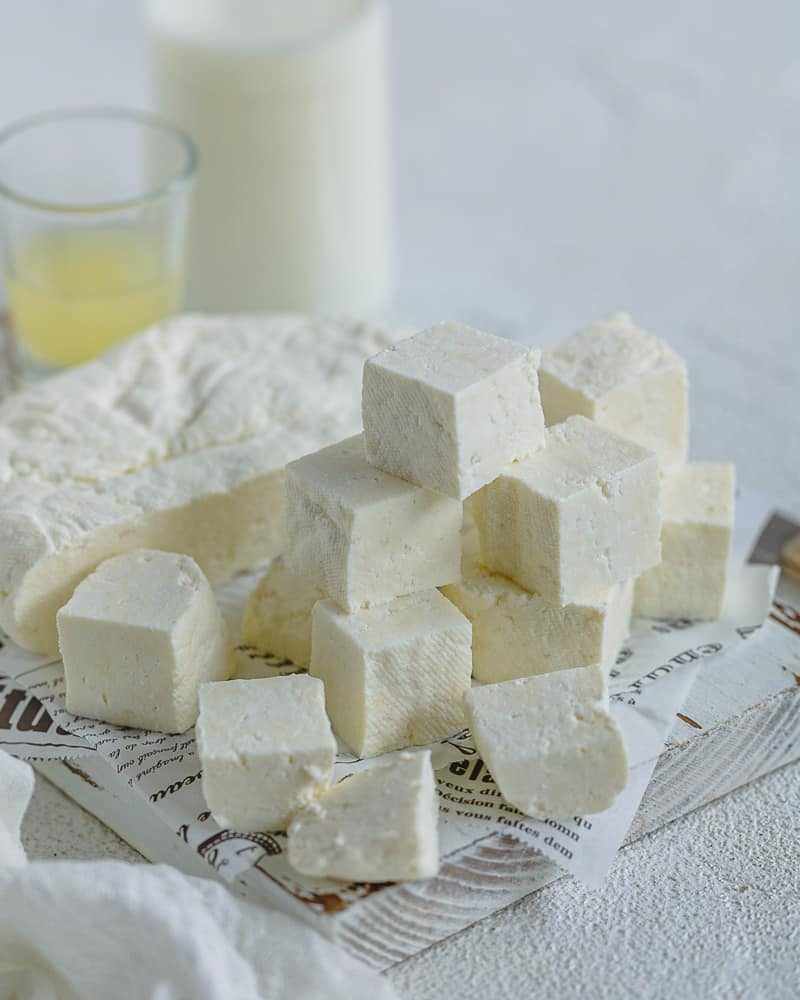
(287, 101)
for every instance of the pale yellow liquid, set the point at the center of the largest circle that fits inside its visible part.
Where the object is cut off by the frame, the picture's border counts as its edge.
(74, 293)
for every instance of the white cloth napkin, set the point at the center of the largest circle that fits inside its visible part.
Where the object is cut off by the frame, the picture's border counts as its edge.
(72, 930)
(16, 789)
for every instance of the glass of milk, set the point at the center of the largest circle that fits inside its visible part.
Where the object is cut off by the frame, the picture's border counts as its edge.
(287, 101)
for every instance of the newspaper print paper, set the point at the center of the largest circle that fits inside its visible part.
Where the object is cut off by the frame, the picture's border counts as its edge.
(648, 686)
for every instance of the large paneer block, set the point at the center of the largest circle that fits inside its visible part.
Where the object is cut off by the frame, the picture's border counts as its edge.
(266, 749)
(175, 440)
(698, 511)
(624, 379)
(578, 517)
(448, 408)
(137, 637)
(364, 536)
(277, 617)
(517, 634)
(549, 742)
(395, 674)
(378, 825)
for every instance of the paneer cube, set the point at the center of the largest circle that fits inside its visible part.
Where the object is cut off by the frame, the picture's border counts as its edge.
(364, 536)
(517, 634)
(448, 408)
(395, 674)
(378, 825)
(550, 743)
(137, 637)
(578, 517)
(266, 749)
(624, 379)
(277, 617)
(698, 511)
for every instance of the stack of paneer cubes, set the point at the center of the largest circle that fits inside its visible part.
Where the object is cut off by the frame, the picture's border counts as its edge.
(499, 519)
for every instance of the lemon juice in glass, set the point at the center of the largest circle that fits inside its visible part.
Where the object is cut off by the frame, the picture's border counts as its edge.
(93, 208)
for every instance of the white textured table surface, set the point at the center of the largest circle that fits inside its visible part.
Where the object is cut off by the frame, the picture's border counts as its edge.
(704, 908)
(554, 164)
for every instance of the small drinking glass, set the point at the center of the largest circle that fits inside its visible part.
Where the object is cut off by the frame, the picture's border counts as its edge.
(93, 211)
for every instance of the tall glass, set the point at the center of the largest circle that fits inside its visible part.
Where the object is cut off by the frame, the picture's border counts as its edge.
(288, 103)
(93, 211)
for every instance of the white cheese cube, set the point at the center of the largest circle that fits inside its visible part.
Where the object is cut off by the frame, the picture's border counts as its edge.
(579, 516)
(516, 633)
(378, 825)
(277, 617)
(395, 674)
(549, 742)
(137, 638)
(266, 749)
(697, 502)
(448, 408)
(364, 536)
(624, 379)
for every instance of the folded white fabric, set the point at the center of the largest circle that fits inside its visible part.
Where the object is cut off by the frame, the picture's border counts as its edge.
(71, 930)
(16, 789)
